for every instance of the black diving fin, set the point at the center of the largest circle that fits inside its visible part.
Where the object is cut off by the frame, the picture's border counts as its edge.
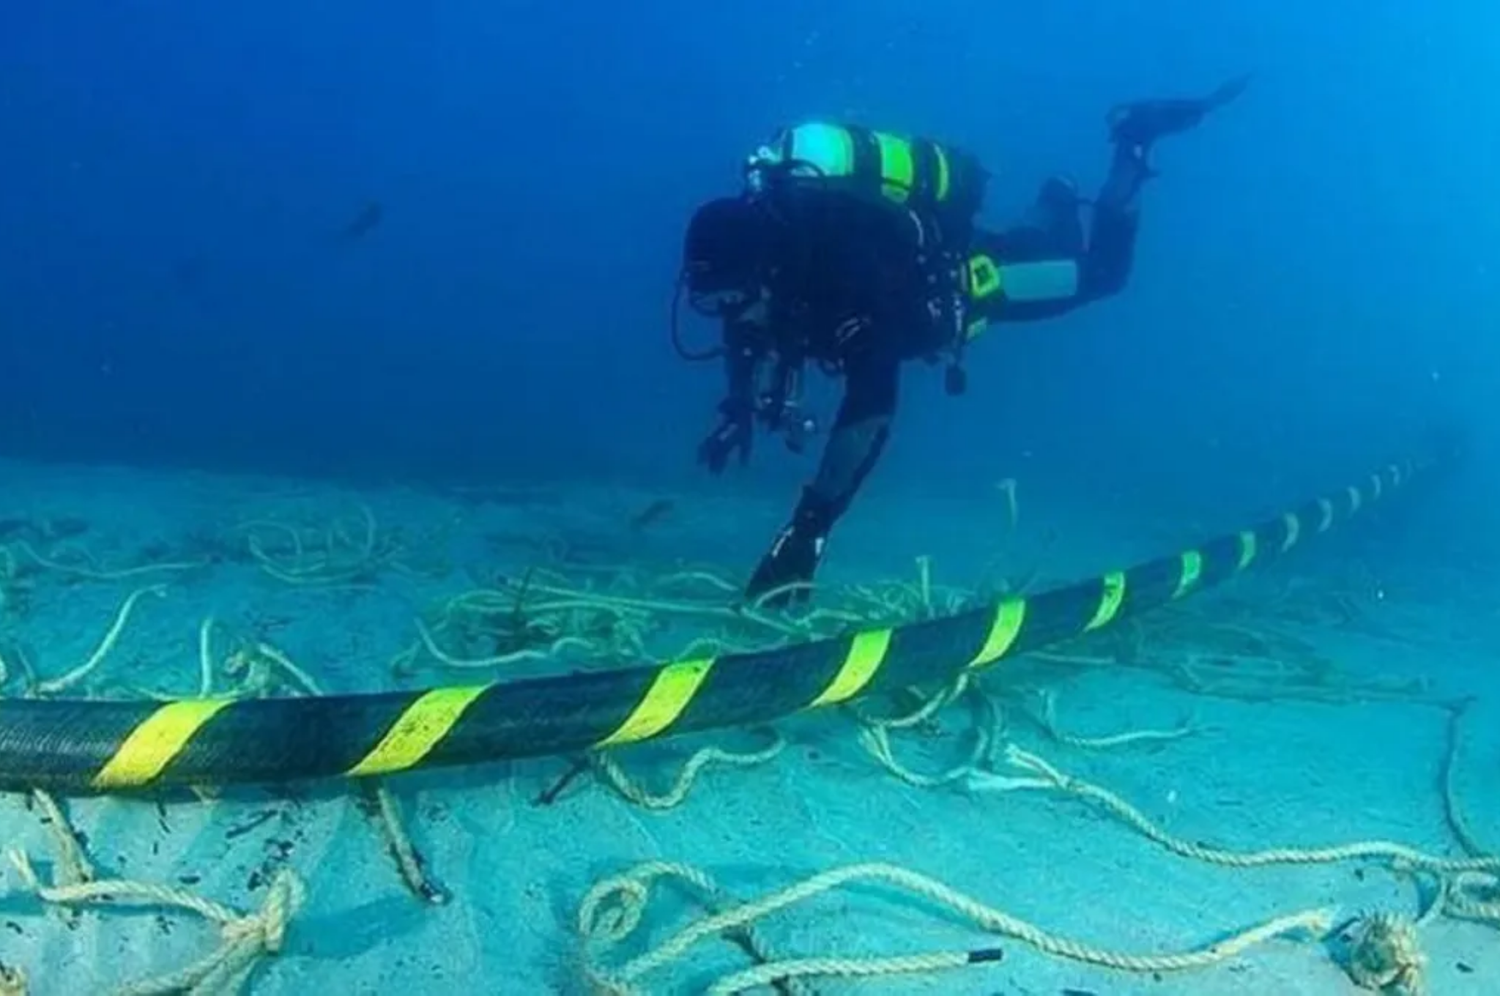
(1141, 123)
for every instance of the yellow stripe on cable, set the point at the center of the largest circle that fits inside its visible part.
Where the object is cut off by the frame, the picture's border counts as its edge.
(671, 690)
(1248, 549)
(419, 728)
(153, 744)
(867, 652)
(1293, 530)
(1191, 572)
(1109, 600)
(1004, 628)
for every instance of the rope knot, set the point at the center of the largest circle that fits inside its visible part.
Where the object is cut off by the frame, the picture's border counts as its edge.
(1385, 956)
(266, 930)
(611, 912)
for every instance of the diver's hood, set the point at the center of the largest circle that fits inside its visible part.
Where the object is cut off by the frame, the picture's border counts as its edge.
(728, 242)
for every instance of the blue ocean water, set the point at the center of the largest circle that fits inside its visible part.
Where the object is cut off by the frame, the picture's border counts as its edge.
(279, 263)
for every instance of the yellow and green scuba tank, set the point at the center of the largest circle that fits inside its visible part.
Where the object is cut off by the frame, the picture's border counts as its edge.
(935, 183)
(914, 173)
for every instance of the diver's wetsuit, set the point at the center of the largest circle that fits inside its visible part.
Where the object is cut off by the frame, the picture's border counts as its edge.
(860, 288)
(869, 284)
(1045, 266)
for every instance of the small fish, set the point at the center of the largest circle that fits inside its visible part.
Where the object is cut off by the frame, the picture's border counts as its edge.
(368, 219)
(652, 513)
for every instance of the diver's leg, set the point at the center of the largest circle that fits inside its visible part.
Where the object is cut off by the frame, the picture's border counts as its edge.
(1051, 228)
(854, 446)
(1134, 129)
(1144, 121)
(1105, 267)
(1044, 266)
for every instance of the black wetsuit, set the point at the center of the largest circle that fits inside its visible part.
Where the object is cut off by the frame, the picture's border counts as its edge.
(861, 287)
(850, 293)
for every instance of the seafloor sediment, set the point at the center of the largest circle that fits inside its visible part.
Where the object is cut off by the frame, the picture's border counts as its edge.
(1124, 814)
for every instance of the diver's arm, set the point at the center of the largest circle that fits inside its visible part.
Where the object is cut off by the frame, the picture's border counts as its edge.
(743, 356)
(854, 446)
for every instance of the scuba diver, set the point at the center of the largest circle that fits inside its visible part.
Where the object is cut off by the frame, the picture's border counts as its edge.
(858, 250)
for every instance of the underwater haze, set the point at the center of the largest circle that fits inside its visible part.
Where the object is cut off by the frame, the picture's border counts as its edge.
(336, 357)
(1313, 267)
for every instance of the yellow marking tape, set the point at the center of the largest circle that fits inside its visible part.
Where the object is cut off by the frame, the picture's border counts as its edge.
(1248, 549)
(1192, 571)
(671, 690)
(867, 652)
(1004, 628)
(1326, 507)
(419, 728)
(158, 739)
(1293, 531)
(1109, 600)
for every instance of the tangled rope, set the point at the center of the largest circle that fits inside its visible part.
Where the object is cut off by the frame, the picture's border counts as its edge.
(615, 908)
(875, 732)
(1046, 776)
(107, 644)
(246, 939)
(615, 776)
(1046, 718)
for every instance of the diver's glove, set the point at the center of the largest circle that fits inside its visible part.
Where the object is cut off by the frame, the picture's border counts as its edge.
(734, 432)
(1141, 123)
(794, 556)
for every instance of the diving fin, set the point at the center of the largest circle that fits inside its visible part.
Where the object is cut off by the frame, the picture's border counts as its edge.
(1141, 123)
